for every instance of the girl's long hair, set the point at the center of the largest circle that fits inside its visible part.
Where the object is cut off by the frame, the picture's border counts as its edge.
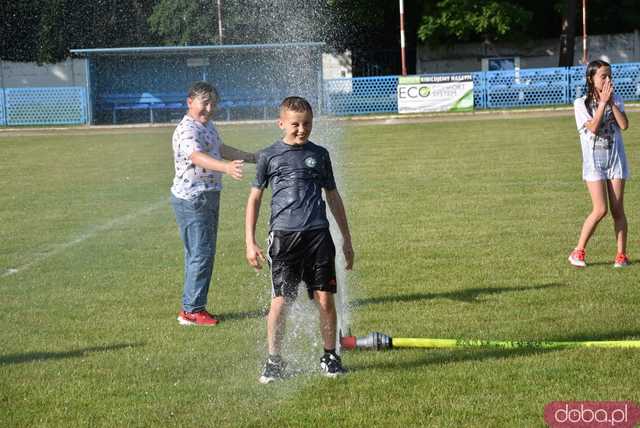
(592, 68)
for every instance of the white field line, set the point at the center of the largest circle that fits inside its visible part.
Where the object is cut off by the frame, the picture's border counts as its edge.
(40, 256)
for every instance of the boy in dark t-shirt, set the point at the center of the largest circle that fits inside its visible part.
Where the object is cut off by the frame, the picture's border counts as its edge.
(300, 247)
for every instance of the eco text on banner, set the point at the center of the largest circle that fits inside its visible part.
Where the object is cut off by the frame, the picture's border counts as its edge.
(435, 93)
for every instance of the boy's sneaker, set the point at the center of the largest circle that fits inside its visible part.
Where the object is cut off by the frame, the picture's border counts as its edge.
(197, 318)
(621, 260)
(331, 365)
(273, 370)
(576, 258)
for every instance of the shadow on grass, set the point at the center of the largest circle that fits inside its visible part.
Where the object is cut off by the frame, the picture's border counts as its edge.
(235, 316)
(610, 263)
(439, 357)
(469, 295)
(617, 335)
(76, 353)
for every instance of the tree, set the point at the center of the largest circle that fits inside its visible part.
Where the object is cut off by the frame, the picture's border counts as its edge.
(371, 31)
(45, 30)
(194, 22)
(18, 21)
(620, 16)
(108, 23)
(51, 45)
(451, 21)
(181, 22)
(568, 34)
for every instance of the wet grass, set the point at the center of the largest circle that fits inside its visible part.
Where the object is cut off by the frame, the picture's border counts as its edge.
(461, 230)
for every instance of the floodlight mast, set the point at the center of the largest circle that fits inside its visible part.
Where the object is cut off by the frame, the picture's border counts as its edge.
(402, 40)
(220, 20)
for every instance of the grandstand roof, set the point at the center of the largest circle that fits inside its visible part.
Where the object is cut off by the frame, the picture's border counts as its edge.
(189, 50)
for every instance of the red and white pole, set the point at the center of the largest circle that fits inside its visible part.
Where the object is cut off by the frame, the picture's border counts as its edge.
(585, 55)
(402, 40)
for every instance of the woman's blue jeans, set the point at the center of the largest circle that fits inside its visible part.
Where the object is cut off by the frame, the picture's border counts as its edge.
(198, 224)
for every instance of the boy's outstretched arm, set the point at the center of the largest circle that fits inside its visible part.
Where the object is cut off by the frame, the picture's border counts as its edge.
(206, 161)
(231, 153)
(337, 209)
(254, 252)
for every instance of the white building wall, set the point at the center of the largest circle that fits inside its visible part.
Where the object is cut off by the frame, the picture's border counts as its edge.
(337, 65)
(614, 48)
(71, 72)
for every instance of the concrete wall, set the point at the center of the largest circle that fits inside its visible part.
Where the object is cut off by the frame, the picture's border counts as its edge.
(31, 75)
(336, 65)
(613, 48)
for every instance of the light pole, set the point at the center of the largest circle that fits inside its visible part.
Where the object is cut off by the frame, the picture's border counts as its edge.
(402, 40)
(220, 20)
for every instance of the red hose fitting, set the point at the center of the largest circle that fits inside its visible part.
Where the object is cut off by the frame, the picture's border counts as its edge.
(348, 342)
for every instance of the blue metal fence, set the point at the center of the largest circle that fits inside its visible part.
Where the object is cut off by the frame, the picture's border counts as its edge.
(361, 95)
(492, 89)
(3, 121)
(479, 90)
(45, 106)
(528, 87)
(577, 82)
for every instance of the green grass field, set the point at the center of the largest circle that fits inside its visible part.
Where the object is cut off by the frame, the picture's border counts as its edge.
(461, 230)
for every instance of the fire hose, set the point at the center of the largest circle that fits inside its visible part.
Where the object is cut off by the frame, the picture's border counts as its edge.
(379, 341)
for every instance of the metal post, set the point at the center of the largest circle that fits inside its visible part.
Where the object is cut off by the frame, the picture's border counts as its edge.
(88, 95)
(320, 92)
(220, 20)
(320, 82)
(73, 71)
(402, 39)
(4, 95)
(585, 56)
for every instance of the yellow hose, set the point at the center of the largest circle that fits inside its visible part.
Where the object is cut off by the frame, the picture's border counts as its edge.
(402, 342)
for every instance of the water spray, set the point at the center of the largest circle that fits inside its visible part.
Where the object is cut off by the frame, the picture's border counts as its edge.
(379, 341)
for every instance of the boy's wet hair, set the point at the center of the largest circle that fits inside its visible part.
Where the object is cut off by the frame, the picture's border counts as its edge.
(203, 89)
(297, 104)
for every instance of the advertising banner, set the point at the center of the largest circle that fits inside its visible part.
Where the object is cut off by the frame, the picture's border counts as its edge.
(417, 94)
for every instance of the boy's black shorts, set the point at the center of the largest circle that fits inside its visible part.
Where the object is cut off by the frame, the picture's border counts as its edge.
(307, 256)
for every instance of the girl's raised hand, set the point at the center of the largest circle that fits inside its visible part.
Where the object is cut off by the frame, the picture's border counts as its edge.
(607, 91)
(612, 91)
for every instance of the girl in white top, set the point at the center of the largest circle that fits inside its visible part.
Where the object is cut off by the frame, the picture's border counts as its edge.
(600, 117)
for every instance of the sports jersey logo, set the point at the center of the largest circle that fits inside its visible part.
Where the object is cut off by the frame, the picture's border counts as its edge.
(310, 162)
